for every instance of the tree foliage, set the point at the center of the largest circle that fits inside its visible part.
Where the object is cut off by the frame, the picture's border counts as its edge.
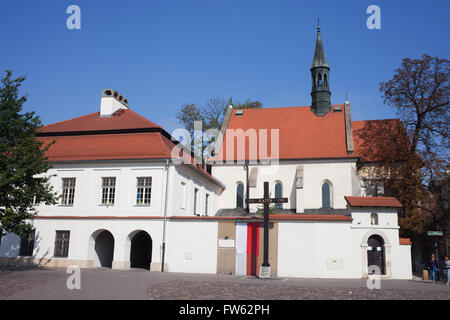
(22, 158)
(412, 158)
(210, 114)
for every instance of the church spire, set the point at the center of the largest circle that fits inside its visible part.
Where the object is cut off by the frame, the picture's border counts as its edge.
(320, 93)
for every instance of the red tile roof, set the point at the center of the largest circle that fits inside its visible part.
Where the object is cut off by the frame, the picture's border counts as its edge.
(302, 134)
(405, 241)
(373, 202)
(121, 120)
(91, 137)
(147, 145)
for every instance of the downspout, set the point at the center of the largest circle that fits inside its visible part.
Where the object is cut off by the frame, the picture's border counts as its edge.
(165, 217)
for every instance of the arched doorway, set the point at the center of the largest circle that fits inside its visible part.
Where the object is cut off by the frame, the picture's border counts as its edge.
(141, 250)
(104, 249)
(375, 254)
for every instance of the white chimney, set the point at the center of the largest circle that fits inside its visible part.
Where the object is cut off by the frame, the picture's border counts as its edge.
(111, 102)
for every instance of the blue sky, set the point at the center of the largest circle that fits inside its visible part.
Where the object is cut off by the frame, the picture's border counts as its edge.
(159, 54)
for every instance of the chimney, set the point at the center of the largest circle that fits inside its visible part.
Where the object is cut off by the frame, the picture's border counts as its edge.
(111, 102)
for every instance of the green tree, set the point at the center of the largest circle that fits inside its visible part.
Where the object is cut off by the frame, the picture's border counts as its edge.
(211, 115)
(22, 158)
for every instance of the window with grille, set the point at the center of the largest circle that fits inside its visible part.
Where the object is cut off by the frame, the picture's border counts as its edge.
(68, 191)
(27, 244)
(108, 190)
(62, 244)
(144, 191)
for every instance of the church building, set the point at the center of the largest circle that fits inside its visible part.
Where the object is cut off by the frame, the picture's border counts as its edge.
(126, 202)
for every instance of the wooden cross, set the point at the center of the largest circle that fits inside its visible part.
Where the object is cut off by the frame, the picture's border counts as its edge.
(266, 201)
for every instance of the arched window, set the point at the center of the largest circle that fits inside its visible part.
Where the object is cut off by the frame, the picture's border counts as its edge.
(240, 196)
(278, 194)
(320, 80)
(325, 82)
(326, 195)
(374, 219)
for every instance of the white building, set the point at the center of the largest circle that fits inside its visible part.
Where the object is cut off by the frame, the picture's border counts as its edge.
(127, 203)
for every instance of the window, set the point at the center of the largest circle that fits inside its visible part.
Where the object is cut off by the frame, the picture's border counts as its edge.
(240, 196)
(278, 194)
(206, 204)
(326, 195)
(62, 244)
(195, 200)
(183, 194)
(320, 80)
(27, 244)
(144, 191)
(108, 190)
(68, 191)
(374, 219)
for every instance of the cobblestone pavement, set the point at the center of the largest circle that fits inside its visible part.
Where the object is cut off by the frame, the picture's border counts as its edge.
(141, 284)
(240, 291)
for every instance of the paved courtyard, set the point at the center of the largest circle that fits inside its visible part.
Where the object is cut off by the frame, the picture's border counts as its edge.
(140, 284)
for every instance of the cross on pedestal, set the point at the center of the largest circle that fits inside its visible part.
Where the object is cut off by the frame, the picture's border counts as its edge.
(265, 269)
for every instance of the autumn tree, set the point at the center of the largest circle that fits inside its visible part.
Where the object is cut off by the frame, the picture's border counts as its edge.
(22, 158)
(413, 156)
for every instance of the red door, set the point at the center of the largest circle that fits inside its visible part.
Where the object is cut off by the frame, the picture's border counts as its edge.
(252, 248)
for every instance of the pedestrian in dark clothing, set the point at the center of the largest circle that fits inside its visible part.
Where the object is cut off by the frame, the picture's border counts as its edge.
(434, 268)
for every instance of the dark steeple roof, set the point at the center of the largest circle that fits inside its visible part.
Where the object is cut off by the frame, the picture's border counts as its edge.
(319, 54)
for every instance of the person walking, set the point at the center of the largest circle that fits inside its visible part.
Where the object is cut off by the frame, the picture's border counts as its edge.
(434, 268)
(446, 267)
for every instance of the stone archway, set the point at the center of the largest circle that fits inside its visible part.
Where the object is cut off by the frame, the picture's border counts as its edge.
(376, 236)
(101, 248)
(140, 249)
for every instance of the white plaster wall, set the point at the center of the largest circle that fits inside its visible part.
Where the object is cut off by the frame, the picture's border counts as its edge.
(192, 246)
(88, 189)
(305, 249)
(182, 203)
(82, 230)
(401, 269)
(338, 172)
(387, 217)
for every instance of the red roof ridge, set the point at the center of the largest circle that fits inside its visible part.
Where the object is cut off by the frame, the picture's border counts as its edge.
(355, 201)
(79, 117)
(285, 107)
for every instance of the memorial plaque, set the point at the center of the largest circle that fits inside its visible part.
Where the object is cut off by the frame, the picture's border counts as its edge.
(264, 272)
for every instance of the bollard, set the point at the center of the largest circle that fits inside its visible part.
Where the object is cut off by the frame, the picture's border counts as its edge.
(424, 274)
